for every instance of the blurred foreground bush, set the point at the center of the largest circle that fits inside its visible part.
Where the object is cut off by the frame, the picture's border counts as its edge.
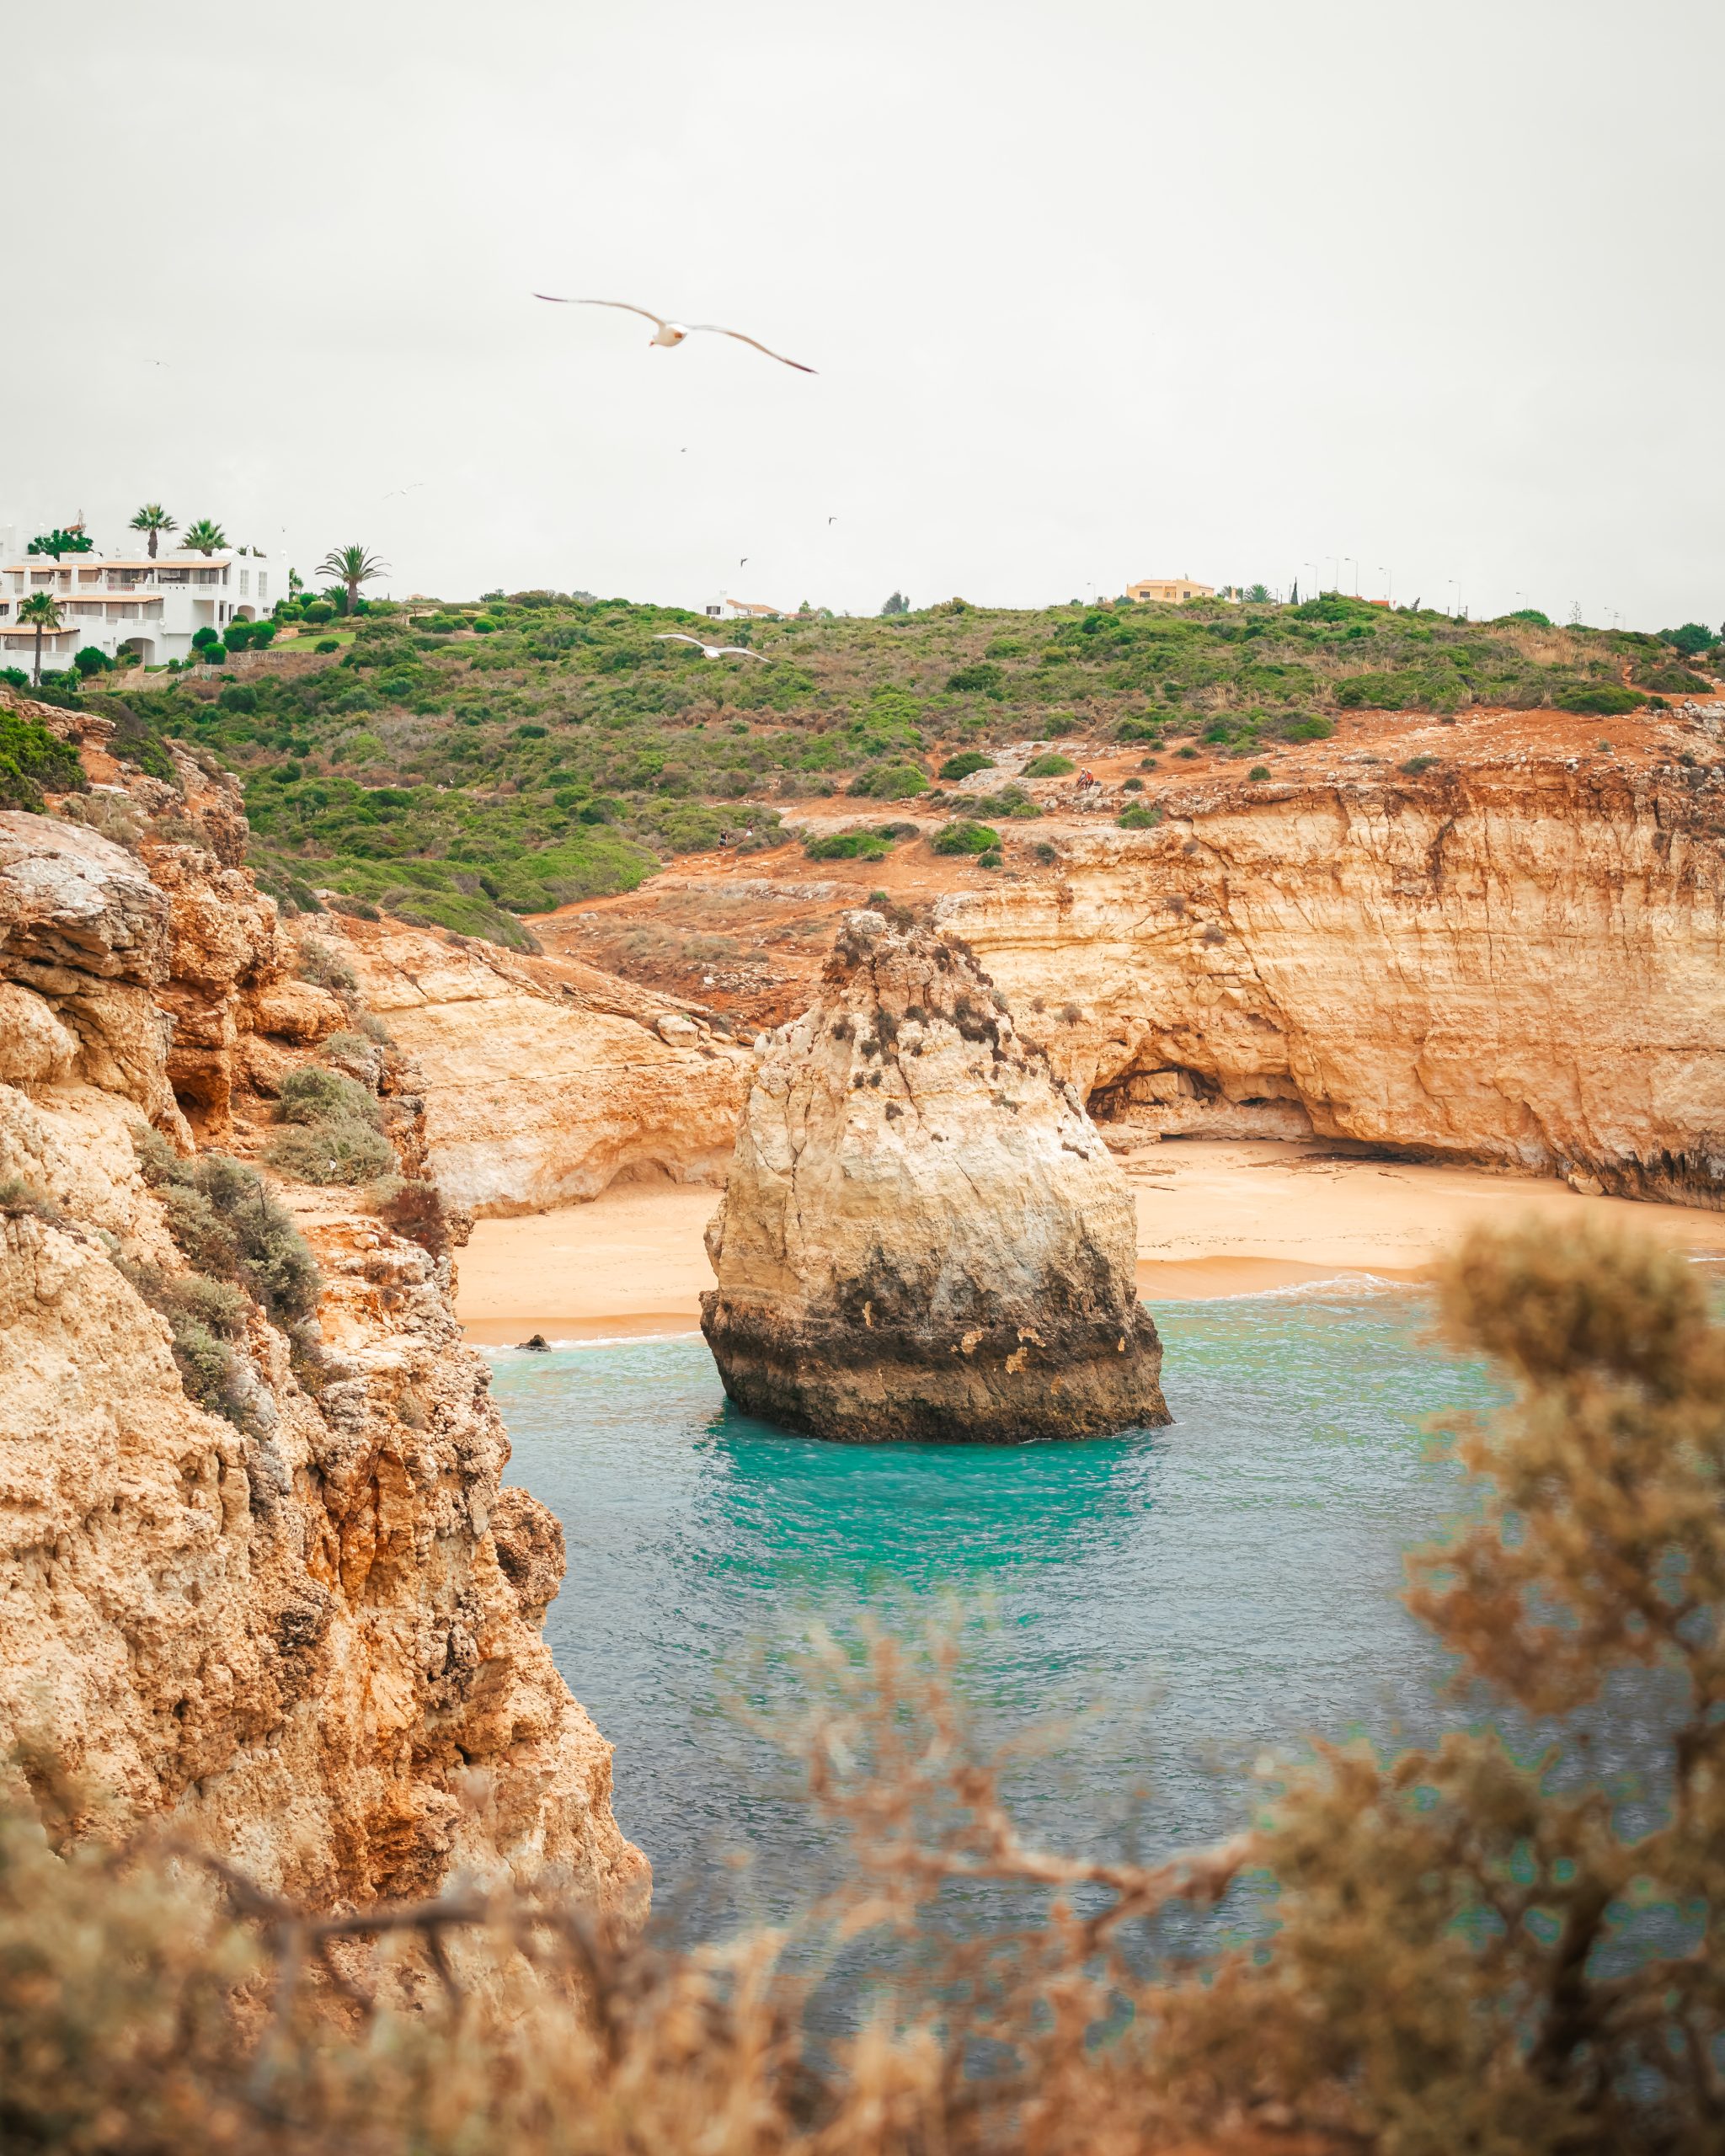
(1463, 1950)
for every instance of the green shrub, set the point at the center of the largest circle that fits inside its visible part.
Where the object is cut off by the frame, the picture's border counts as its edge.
(323, 966)
(1693, 638)
(991, 859)
(238, 696)
(237, 634)
(1049, 765)
(319, 610)
(19, 1196)
(1139, 729)
(1416, 764)
(1605, 701)
(333, 1153)
(1257, 771)
(31, 759)
(982, 679)
(1139, 817)
(202, 638)
(313, 1095)
(1672, 681)
(964, 763)
(962, 836)
(227, 1226)
(89, 660)
(328, 644)
(1309, 726)
(890, 782)
(848, 846)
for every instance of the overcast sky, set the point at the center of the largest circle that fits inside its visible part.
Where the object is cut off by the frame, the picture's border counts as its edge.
(1383, 293)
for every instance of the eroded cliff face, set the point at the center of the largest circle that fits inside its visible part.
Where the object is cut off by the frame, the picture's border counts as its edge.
(544, 1081)
(307, 1631)
(1524, 964)
(923, 1235)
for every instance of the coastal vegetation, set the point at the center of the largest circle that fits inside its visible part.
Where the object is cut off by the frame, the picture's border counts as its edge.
(1482, 1945)
(462, 765)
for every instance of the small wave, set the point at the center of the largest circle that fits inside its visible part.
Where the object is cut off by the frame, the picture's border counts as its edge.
(1333, 1287)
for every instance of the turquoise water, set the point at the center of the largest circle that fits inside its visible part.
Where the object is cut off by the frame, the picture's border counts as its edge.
(1171, 1601)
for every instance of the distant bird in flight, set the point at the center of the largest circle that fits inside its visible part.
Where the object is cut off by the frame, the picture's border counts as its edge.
(713, 650)
(394, 491)
(673, 333)
(744, 563)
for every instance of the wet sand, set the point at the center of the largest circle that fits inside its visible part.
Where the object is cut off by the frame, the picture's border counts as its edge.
(1215, 1218)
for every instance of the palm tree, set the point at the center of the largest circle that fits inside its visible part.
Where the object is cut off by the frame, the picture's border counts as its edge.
(351, 566)
(155, 520)
(204, 537)
(40, 611)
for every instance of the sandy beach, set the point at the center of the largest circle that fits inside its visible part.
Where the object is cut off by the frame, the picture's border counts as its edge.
(1214, 1219)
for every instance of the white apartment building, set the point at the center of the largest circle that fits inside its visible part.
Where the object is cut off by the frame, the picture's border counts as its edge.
(129, 606)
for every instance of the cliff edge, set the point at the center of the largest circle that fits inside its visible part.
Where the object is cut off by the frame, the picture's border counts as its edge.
(922, 1236)
(258, 1572)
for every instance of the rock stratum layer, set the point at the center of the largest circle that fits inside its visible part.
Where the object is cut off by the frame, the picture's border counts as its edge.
(1524, 964)
(307, 1632)
(545, 1081)
(922, 1235)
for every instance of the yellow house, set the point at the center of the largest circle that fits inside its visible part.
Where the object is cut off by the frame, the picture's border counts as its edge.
(1171, 590)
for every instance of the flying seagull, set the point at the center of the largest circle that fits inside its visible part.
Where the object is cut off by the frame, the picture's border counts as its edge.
(673, 333)
(712, 650)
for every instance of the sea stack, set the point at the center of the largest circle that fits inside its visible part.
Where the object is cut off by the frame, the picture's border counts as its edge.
(923, 1237)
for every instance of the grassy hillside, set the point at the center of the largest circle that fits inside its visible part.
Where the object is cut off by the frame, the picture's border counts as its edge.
(466, 767)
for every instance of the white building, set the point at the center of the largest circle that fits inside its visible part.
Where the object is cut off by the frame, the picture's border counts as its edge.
(722, 609)
(127, 606)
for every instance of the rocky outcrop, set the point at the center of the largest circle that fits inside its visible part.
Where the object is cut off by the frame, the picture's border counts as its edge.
(1524, 963)
(306, 1629)
(544, 1081)
(923, 1235)
(84, 940)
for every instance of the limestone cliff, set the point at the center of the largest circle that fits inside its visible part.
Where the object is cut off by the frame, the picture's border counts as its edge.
(1523, 963)
(306, 1628)
(545, 1081)
(923, 1235)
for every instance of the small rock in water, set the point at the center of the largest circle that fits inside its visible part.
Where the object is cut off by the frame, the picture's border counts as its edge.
(538, 1345)
(923, 1235)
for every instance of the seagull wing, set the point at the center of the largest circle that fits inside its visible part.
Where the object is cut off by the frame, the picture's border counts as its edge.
(676, 636)
(718, 329)
(741, 651)
(646, 312)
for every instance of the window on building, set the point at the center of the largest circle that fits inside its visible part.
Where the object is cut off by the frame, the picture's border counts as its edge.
(245, 583)
(263, 586)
